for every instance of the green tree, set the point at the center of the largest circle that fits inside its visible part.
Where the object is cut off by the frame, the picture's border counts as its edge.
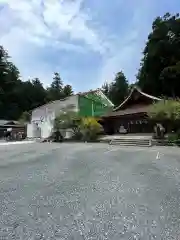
(170, 77)
(117, 90)
(9, 75)
(3, 65)
(25, 117)
(30, 94)
(67, 90)
(69, 120)
(17, 96)
(162, 51)
(165, 110)
(39, 93)
(105, 89)
(55, 91)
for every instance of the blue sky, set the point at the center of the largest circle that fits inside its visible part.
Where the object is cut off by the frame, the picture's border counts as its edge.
(86, 41)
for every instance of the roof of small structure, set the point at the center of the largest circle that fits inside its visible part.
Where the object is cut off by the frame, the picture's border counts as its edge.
(8, 122)
(135, 88)
(136, 108)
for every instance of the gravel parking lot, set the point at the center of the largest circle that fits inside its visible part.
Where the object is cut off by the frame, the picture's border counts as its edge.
(89, 191)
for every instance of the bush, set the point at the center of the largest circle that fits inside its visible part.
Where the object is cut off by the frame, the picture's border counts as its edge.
(68, 120)
(165, 109)
(90, 129)
(86, 129)
(173, 137)
(178, 133)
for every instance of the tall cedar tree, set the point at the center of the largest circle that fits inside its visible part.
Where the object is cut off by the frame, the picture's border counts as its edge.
(55, 91)
(117, 90)
(160, 69)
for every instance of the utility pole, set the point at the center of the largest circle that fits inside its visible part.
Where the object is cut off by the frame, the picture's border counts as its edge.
(92, 109)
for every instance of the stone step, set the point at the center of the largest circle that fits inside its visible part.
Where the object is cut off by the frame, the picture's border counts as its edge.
(130, 139)
(131, 142)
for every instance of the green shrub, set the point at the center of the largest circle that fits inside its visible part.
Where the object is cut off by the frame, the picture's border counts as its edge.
(173, 137)
(69, 120)
(178, 133)
(90, 129)
(86, 129)
(165, 109)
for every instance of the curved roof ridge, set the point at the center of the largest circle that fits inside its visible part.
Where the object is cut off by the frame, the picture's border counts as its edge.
(130, 94)
(148, 95)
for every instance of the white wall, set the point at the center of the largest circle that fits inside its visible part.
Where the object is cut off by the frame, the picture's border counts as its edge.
(30, 130)
(33, 131)
(46, 129)
(46, 114)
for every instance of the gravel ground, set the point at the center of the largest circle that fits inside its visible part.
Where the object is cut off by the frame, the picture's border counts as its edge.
(89, 191)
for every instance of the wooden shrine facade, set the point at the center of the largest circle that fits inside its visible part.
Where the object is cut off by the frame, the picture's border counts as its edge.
(131, 115)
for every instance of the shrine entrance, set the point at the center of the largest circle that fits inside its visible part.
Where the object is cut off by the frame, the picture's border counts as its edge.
(131, 116)
(132, 125)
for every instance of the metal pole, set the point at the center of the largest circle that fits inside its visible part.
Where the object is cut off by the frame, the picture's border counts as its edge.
(92, 109)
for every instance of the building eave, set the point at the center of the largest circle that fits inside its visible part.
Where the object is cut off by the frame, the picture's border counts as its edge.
(130, 94)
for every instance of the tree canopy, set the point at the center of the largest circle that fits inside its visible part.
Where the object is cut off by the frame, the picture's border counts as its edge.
(17, 96)
(117, 90)
(160, 68)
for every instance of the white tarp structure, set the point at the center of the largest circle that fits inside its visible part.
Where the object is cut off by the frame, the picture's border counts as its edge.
(42, 119)
(33, 130)
(30, 130)
(46, 129)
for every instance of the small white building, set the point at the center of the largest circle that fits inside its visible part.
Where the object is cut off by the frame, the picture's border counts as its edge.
(42, 119)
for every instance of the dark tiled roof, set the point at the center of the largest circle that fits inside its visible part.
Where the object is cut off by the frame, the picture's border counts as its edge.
(131, 93)
(4, 122)
(128, 111)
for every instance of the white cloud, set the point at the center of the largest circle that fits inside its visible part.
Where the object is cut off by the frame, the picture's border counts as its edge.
(52, 19)
(29, 26)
